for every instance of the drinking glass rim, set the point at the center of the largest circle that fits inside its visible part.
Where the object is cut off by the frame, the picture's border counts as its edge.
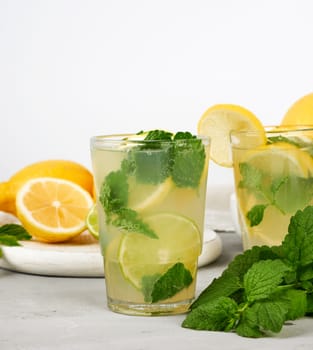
(117, 139)
(275, 129)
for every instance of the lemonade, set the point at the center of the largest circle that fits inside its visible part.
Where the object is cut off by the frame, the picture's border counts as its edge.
(150, 190)
(272, 181)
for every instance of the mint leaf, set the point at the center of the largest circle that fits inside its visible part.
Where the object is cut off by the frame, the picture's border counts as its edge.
(295, 248)
(227, 284)
(297, 303)
(114, 199)
(15, 231)
(286, 194)
(255, 215)
(147, 283)
(280, 138)
(268, 315)
(305, 273)
(218, 315)
(248, 325)
(114, 192)
(244, 261)
(309, 307)
(251, 177)
(130, 221)
(262, 279)
(151, 163)
(159, 135)
(173, 281)
(188, 160)
(10, 234)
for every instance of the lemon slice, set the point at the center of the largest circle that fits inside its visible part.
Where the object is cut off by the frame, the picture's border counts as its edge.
(144, 196)
(280, 159)
(300, 112)
(92, 221)
(218, 121)
(178, 241)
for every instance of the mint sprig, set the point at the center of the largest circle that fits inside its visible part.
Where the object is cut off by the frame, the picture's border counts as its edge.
(262, 288)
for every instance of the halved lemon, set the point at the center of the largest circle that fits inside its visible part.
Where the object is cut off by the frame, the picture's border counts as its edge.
(218, 121)
(178, 241)
(53, 210)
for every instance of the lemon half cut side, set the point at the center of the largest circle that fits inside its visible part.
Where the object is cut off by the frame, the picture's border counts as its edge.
(53, 210)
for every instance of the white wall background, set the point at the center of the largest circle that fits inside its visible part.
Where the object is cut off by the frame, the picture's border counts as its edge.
(73, 68)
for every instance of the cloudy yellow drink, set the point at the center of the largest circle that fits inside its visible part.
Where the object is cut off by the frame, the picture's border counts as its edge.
(151, 192)
(272, 181)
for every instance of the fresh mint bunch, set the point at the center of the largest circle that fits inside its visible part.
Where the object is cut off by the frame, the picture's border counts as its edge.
(262, 288)
(281, 192)
(11, 234)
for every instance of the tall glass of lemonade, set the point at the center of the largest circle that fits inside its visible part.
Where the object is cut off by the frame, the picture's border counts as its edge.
(150, 190)
(273, 175)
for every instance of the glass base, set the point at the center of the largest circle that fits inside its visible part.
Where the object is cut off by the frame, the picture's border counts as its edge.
(159, 309)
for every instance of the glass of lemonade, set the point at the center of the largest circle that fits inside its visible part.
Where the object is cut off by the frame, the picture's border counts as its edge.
(151, 190)
(273, 175)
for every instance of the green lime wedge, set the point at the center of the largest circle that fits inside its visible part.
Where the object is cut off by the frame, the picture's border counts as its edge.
(92, 221)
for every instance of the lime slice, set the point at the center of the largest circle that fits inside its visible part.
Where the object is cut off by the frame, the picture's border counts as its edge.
(144, 196)
(92, 221)
(179, 241)
(218, 121)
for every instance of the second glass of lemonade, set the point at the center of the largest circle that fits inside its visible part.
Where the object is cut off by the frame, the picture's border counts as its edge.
(151, 190)
(273, 174)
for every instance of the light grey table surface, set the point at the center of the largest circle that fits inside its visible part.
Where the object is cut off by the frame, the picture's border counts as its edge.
(39, 312)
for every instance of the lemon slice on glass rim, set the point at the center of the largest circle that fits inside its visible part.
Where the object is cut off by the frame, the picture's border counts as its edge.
(218, 121)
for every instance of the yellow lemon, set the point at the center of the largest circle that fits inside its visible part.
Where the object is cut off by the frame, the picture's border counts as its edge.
(300, 112)
(63, 169)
